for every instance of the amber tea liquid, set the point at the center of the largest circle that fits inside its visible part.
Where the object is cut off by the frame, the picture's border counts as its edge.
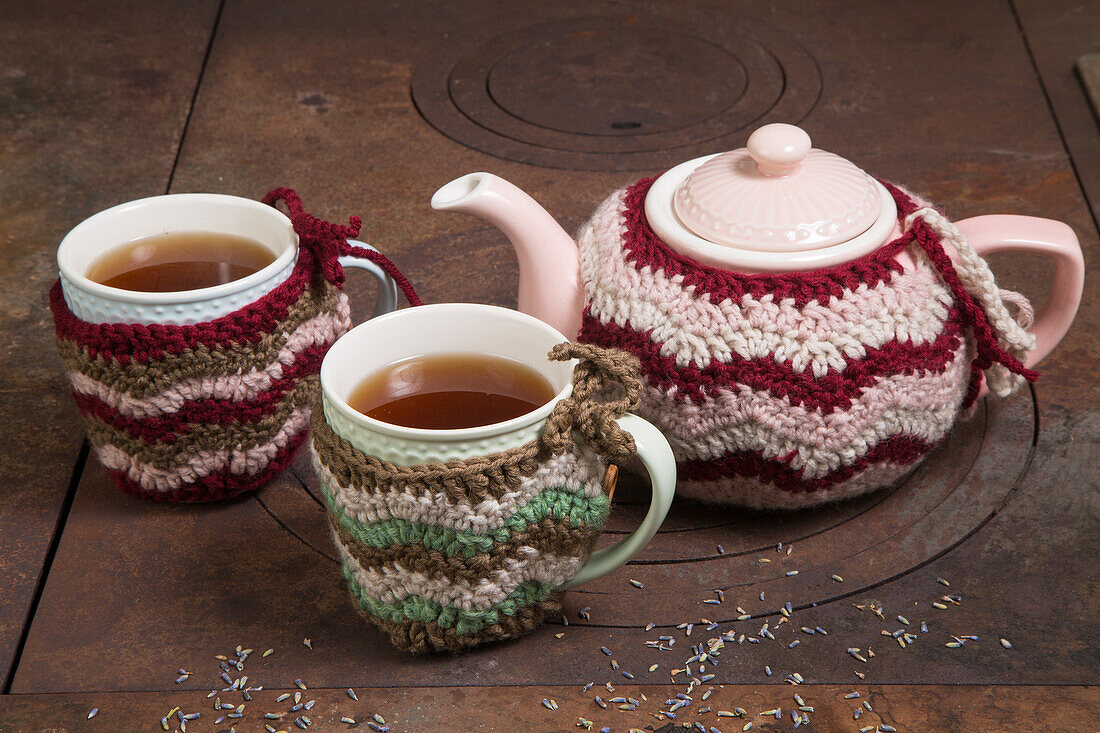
(451, 391)
(176, 261)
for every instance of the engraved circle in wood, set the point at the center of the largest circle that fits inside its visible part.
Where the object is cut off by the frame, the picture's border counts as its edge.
(615, 93)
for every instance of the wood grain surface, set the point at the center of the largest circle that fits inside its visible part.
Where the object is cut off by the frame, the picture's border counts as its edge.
(366, 108)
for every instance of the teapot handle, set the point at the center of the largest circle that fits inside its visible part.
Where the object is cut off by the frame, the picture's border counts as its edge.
(1010, 232)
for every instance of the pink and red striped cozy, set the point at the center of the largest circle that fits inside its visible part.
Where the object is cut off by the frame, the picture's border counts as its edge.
(788, 390)
(207, 411)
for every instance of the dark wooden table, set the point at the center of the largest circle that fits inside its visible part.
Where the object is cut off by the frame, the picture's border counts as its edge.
(366, 108)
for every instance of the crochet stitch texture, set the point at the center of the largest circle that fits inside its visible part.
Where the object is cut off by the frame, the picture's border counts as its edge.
(788, 390)
(443, 557)
(206, 411)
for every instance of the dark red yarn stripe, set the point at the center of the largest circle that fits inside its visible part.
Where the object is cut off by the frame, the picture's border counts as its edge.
(833, 391)
(329, 242)
(899, 449)
(126, 342)
(646, 249)
(166, 428)
(221, 485)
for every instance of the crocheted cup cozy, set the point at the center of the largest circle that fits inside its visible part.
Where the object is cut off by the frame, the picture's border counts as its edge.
(207, 411)
(788, 390)
(443, 557)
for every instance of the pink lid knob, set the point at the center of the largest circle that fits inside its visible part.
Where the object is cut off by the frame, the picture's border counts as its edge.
(778, 148)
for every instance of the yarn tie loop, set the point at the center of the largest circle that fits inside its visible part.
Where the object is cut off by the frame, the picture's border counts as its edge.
(327, 241)
(605, 387)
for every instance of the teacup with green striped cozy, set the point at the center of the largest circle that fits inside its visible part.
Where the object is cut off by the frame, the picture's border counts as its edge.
(453, 538)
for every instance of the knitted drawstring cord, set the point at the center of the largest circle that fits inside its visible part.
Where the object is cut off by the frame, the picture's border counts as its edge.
(1002, 340)
(328, 242)
(585, 412)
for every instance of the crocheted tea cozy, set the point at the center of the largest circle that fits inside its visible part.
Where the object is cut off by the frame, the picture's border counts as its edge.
(448, 556)
(787, 390)
(206, 411)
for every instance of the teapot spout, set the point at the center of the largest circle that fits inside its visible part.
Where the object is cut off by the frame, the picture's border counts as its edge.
(549, 266)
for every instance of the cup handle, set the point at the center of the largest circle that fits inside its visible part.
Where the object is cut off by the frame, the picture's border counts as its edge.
(386, 301)
(1009, 232)
(656, 456)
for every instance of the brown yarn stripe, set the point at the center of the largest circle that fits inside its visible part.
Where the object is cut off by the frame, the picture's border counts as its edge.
(417, 636)
(204, 437)
(146, 379)
(547, 536)
(470, 480)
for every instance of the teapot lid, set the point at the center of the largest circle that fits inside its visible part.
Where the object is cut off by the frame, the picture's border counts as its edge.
(778, 194)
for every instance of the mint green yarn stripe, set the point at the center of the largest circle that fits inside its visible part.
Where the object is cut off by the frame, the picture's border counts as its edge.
(552, 502)
(418, 608)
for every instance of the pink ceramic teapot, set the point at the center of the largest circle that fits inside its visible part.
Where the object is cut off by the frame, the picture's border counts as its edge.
(806, 332)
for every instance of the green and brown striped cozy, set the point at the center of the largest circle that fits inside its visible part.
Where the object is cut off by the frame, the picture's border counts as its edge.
(444, 557)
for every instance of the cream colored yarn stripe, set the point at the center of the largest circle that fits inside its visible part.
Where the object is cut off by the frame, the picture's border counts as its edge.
(391, 582)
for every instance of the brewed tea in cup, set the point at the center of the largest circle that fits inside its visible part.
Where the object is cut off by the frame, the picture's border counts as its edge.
(174, 261)
(451, 391)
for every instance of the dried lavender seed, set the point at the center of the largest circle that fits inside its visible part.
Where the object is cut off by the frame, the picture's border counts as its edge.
(93, 713)
(851, 696)
(346, 719)
(1006, 643)
(791, 572)
(636, 583)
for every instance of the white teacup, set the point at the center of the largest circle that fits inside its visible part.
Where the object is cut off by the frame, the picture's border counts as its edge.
(450, 328)
(112, 228)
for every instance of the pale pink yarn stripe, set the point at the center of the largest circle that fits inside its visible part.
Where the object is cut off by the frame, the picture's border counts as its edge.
(204, 463)
(911, 308)
(744, 419)
(758, 494)
(319, 330)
